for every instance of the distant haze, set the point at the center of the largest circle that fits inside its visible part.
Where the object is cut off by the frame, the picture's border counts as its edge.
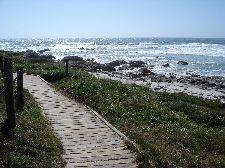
(112, 18)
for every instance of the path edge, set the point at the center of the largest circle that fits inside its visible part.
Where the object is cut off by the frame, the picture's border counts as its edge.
(124, 137)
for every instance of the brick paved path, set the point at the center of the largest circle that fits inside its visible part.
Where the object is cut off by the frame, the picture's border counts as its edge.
(86, 139)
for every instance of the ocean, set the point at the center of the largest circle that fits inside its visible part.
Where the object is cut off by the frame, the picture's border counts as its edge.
(204, 56)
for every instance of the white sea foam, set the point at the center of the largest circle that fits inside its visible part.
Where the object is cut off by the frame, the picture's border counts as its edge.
(203, 57)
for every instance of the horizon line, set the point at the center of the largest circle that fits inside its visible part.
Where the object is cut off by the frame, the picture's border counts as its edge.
(153, 37)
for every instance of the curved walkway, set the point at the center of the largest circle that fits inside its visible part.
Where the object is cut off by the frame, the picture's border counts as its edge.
(86, 139)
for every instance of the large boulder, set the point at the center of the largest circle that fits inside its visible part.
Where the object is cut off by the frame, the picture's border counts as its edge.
(221, 85)
(37, 57)
(42, 51)
(166, 65)
(125, 67)
(108, 68)
(31, 54)
(182, 63)
(95, 67)
(73, 58)
(211, 84)
(47, 56)
(117, 63)
(137, 64)
(146, 72)
(90, 59)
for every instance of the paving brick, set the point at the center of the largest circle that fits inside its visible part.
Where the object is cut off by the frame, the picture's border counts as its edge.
(86, 139)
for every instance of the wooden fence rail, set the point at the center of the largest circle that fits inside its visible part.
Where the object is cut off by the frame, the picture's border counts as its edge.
(10, 121)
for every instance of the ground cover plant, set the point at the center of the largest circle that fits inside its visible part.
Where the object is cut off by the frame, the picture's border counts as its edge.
(172, 130)
(32, 144)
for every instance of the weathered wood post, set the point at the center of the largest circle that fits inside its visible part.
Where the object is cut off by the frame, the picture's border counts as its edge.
(20, 97)
(10, 121)
(1, 63)
(67, 67)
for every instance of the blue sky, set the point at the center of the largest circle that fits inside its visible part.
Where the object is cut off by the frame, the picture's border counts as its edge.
(111, 18)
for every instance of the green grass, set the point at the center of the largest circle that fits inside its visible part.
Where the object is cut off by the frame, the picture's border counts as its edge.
(36, 68)
(173, 130)
(32, 143)
(2, 107)
(32, 66)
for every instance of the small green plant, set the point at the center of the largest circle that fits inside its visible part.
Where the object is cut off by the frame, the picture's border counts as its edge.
(32, 143)
(173, 130)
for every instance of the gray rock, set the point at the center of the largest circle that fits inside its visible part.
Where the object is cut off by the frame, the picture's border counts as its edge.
(137, 64)
(166, 65)
(73, 58)
(182, 62)
(146, 72)
(47, 56)
(90, 60)
(211, 84)
(31, 54)
(108, 68)
(82, 48)
(117, 63)
(42, 51)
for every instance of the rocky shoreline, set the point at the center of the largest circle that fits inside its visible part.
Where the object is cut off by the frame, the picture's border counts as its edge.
(171, 87)
(136, 72)
(210, 87)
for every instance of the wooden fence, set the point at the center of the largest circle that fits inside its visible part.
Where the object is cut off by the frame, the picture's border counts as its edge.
(7, 91)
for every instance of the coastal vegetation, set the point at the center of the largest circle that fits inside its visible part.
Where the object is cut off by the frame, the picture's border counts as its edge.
(32, 143)
(170, 129)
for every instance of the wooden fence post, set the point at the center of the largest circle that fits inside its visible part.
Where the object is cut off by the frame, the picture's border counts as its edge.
(67, 67)
(1, 63)
(10, 121)
(20, 97)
